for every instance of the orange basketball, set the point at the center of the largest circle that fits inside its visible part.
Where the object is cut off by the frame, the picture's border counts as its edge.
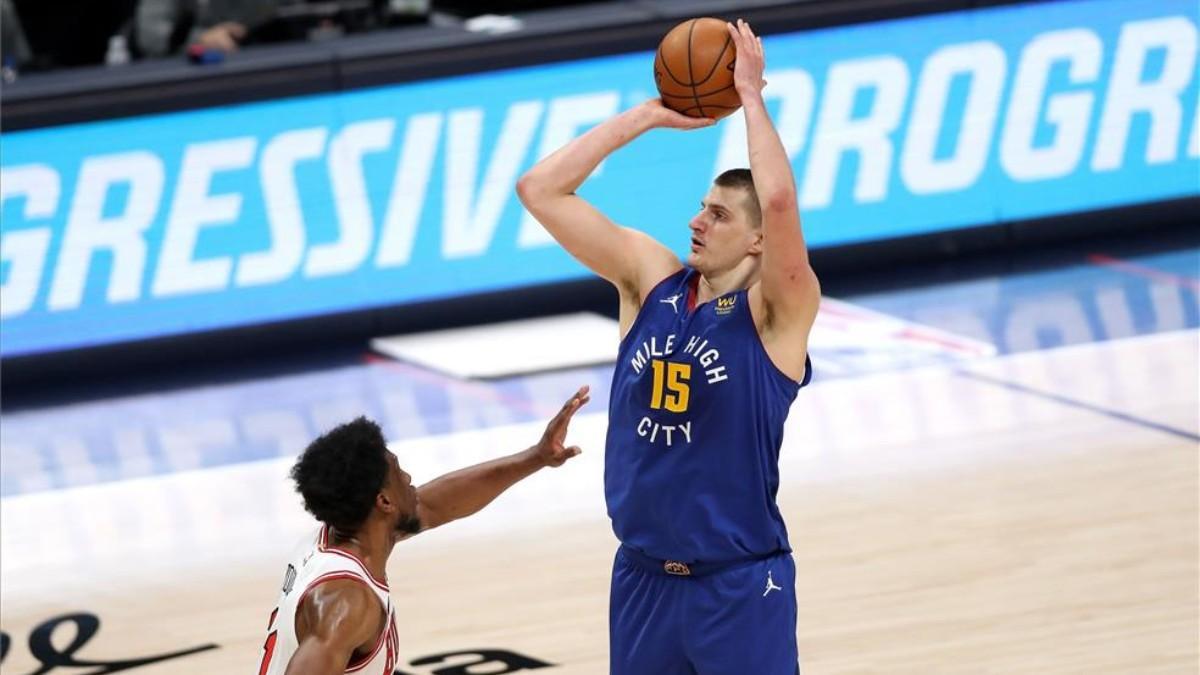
(693, 69)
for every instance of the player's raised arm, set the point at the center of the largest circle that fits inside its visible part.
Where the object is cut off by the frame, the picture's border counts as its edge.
(627, 258)
(789, 286)
(334, 619)
(466, 491)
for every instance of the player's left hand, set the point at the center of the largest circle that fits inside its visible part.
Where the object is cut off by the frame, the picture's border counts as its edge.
(551, 450)
(750, 63)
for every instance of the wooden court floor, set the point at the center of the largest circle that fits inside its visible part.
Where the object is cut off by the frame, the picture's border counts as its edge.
(1033, 513)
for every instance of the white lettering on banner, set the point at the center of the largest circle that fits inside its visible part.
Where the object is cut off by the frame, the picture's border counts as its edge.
(409, 187)
(796, 93)
(563, 121)
(838, 131)
(470, 222)
(285, 215)
(985, 64)
(25, 250)
(356, 227)
(194, 209)
(88, 230)
(1046, 134)
(1068, 113)
(1160, 98)
(1194, 144)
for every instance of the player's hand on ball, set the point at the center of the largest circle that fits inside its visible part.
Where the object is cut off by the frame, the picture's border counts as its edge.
(552, 449)
(665, 117)
(748, 69)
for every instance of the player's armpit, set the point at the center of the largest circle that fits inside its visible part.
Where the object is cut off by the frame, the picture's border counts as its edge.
(333, 620)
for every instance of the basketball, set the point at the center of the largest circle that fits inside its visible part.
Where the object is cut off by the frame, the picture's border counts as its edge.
(693, 69)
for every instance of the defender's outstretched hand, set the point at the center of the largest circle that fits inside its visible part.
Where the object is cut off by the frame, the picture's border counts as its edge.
(551, 448)
(748, 70)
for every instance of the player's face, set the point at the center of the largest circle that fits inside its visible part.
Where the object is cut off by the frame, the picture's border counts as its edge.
(722, 234)
(404, 494)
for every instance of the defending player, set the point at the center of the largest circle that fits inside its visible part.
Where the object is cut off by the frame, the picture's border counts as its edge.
(334, 613)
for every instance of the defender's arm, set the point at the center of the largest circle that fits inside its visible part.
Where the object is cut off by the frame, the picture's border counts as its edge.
(334, 620)
(466, 491)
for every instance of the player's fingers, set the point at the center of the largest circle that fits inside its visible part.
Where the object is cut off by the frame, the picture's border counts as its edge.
(733, 32)
(574, 451)
(576, 402)
(575, 408)
(564, 416)
(573, 402)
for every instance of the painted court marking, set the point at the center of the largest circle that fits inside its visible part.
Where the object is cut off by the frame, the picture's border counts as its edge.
(1065, 400)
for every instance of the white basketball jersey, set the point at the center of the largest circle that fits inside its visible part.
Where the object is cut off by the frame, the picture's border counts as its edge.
(315, 562)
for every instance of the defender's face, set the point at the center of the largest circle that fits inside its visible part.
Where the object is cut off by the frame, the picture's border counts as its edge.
(722, 234)
(403, 493)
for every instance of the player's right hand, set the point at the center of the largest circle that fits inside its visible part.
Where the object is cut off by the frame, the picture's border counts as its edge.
(552, 450)
(663, 116)
(751, 60)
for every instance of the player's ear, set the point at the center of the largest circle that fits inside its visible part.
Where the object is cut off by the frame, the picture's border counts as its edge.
(756, 247)
(384, 503)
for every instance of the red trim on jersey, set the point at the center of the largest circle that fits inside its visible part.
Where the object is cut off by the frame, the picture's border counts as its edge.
(384, 637)
(388, 624)
(693, 292)
(324, 546)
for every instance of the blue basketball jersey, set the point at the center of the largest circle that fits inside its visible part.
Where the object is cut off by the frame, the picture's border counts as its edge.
(696, 415)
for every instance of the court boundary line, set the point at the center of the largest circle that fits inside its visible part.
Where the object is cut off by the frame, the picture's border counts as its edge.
(1075, 403)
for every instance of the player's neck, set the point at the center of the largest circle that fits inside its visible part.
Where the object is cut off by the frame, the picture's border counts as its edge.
(370, 544)
(715, 285)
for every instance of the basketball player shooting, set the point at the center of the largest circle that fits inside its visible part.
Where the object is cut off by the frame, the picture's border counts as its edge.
(712, 354)
(334, 613)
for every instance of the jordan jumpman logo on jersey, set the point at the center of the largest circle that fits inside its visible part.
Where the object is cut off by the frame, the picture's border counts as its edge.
(672, 299)
(770, 585)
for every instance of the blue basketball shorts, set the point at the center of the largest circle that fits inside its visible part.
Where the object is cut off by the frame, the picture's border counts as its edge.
(736, 620)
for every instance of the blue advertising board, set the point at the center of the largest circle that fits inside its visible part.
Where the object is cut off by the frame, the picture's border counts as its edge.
(167, 224)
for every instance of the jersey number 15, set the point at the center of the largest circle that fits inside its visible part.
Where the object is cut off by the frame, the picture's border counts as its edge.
(671, 389)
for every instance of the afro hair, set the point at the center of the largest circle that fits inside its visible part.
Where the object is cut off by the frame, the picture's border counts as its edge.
(340, 474)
